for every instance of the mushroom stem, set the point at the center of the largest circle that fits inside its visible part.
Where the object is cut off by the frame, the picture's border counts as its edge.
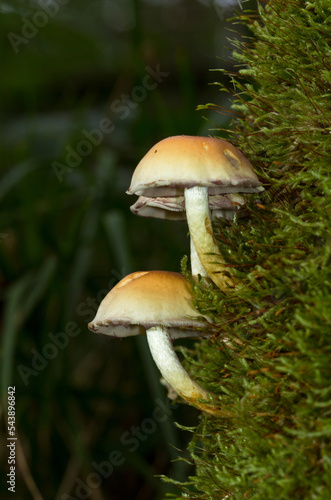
(199, 223)
(173, 372)
(196, 266)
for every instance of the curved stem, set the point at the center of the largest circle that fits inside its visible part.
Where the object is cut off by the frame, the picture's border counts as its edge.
(199, 222)
(173, 372)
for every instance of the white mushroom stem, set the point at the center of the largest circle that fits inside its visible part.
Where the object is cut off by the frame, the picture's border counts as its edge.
(173, 372)
(196, 266)
(199, 223)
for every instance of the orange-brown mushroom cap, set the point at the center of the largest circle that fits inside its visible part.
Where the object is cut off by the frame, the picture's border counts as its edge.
(146, 299)
(184, 161)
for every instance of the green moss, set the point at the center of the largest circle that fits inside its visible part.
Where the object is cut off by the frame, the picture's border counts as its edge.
(270, 357)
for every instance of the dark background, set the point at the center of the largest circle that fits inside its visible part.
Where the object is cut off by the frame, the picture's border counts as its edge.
(67, 234)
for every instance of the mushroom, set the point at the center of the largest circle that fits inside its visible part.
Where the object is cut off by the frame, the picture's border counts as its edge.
(196, 168)
(158, 303)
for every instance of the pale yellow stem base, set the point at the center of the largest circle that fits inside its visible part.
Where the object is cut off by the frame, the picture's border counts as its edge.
(174, 373)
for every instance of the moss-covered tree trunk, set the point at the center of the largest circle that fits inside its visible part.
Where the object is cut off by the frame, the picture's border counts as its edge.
(270, 359)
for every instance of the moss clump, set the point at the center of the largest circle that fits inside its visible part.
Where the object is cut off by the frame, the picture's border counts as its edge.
(270, 359)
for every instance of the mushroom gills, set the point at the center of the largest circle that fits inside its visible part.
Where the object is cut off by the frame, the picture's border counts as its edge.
(173, 208)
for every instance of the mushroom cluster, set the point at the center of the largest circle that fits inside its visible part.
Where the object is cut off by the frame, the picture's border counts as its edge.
(180, 178)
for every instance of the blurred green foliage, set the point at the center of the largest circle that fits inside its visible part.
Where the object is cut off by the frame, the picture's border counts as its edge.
(71, 69)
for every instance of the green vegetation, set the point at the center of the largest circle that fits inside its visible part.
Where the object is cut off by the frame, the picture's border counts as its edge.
(269, 360)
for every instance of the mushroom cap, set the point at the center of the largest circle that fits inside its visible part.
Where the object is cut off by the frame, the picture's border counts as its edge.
(143, 300)
(184, 161)
(173, 207)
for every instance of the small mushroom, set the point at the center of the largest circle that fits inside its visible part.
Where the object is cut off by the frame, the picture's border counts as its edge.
(158, 303)
(196, 168)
